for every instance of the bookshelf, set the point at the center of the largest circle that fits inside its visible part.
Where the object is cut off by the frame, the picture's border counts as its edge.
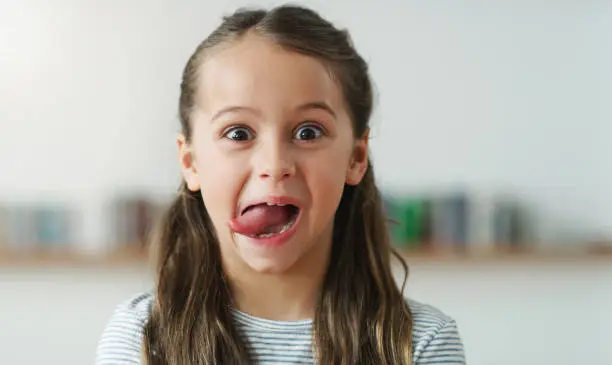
(500, 254)
(138, 257)
(38, 232)
(124, 257)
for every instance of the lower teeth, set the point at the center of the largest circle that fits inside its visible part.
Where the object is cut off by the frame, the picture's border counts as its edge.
(283, 229)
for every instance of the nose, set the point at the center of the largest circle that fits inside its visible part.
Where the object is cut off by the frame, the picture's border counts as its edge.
(274, 161)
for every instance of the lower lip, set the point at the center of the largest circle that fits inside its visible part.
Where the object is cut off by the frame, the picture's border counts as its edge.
(278, 239)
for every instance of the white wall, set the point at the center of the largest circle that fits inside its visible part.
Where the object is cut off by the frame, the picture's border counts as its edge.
(507, 313)
(487, 95)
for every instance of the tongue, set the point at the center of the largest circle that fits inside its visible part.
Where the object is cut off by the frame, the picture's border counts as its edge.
(258, 218)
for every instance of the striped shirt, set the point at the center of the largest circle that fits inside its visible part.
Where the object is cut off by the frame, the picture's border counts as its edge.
(435, 336)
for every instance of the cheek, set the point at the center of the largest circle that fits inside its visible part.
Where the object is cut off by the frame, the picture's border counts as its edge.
(220, 179)
(329, 176)
(326, 176)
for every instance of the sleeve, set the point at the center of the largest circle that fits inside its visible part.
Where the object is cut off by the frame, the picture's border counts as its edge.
(444, 347)
(120, 342)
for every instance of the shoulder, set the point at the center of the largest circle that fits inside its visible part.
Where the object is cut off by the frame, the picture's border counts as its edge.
(120, 343)
(435, 336)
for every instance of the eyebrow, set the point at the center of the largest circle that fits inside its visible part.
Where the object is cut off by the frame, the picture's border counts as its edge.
(231, 109)
(317, 105)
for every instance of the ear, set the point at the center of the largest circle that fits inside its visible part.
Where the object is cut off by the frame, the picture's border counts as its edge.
(187, 163)
(359, 160)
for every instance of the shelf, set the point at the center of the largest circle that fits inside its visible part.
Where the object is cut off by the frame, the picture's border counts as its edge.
(139, 257)
(125, 257)
(498, 254)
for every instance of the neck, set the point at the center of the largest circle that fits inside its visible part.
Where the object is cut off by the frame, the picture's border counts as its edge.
(287, 296)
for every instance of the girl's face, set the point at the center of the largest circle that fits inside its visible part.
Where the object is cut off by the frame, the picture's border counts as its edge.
(270, 126)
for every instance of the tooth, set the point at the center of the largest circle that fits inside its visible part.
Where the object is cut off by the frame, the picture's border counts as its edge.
(281, 204)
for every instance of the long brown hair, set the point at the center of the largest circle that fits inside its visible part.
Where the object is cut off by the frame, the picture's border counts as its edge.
(361, 316)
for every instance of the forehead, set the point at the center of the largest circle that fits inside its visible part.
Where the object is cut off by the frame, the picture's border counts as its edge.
(256, 72)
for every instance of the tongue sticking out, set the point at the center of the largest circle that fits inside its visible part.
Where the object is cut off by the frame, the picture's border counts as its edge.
(262, 219)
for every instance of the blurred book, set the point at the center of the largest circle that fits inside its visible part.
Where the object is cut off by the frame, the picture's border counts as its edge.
(134, 219)
(29, 227)
(4, 227)
(456, 220)
(22, 232)
(450, 217)
(509, 224)
(53, 227)
(410, 223)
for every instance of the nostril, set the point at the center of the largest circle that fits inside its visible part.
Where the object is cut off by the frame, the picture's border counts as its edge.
(276, 174)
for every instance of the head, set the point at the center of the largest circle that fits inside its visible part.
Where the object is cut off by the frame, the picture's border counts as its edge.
(275, 108)
(264, 122)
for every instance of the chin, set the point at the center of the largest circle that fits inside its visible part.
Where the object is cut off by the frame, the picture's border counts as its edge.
(269, 265)
(270, 259)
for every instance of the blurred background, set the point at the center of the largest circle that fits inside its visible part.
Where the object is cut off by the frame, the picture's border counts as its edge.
(492, 140)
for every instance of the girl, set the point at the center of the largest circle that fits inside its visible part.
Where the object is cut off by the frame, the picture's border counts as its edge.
(276, 249)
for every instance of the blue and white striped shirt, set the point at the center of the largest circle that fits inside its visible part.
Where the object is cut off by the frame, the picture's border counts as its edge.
(436, 338)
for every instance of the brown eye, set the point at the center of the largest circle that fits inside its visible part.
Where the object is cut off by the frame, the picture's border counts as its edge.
(239, 134)
(308, 132)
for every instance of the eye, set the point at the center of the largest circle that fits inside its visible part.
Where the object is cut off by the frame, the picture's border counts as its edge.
(238, 134)
(308, 132)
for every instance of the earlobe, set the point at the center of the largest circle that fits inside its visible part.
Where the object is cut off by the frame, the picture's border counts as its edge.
(187, 164)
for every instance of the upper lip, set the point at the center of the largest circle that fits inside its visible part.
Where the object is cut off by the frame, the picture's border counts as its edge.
(276, 200)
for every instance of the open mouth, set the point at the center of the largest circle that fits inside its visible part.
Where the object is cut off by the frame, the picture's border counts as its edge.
(272, 219)
(265, 220)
